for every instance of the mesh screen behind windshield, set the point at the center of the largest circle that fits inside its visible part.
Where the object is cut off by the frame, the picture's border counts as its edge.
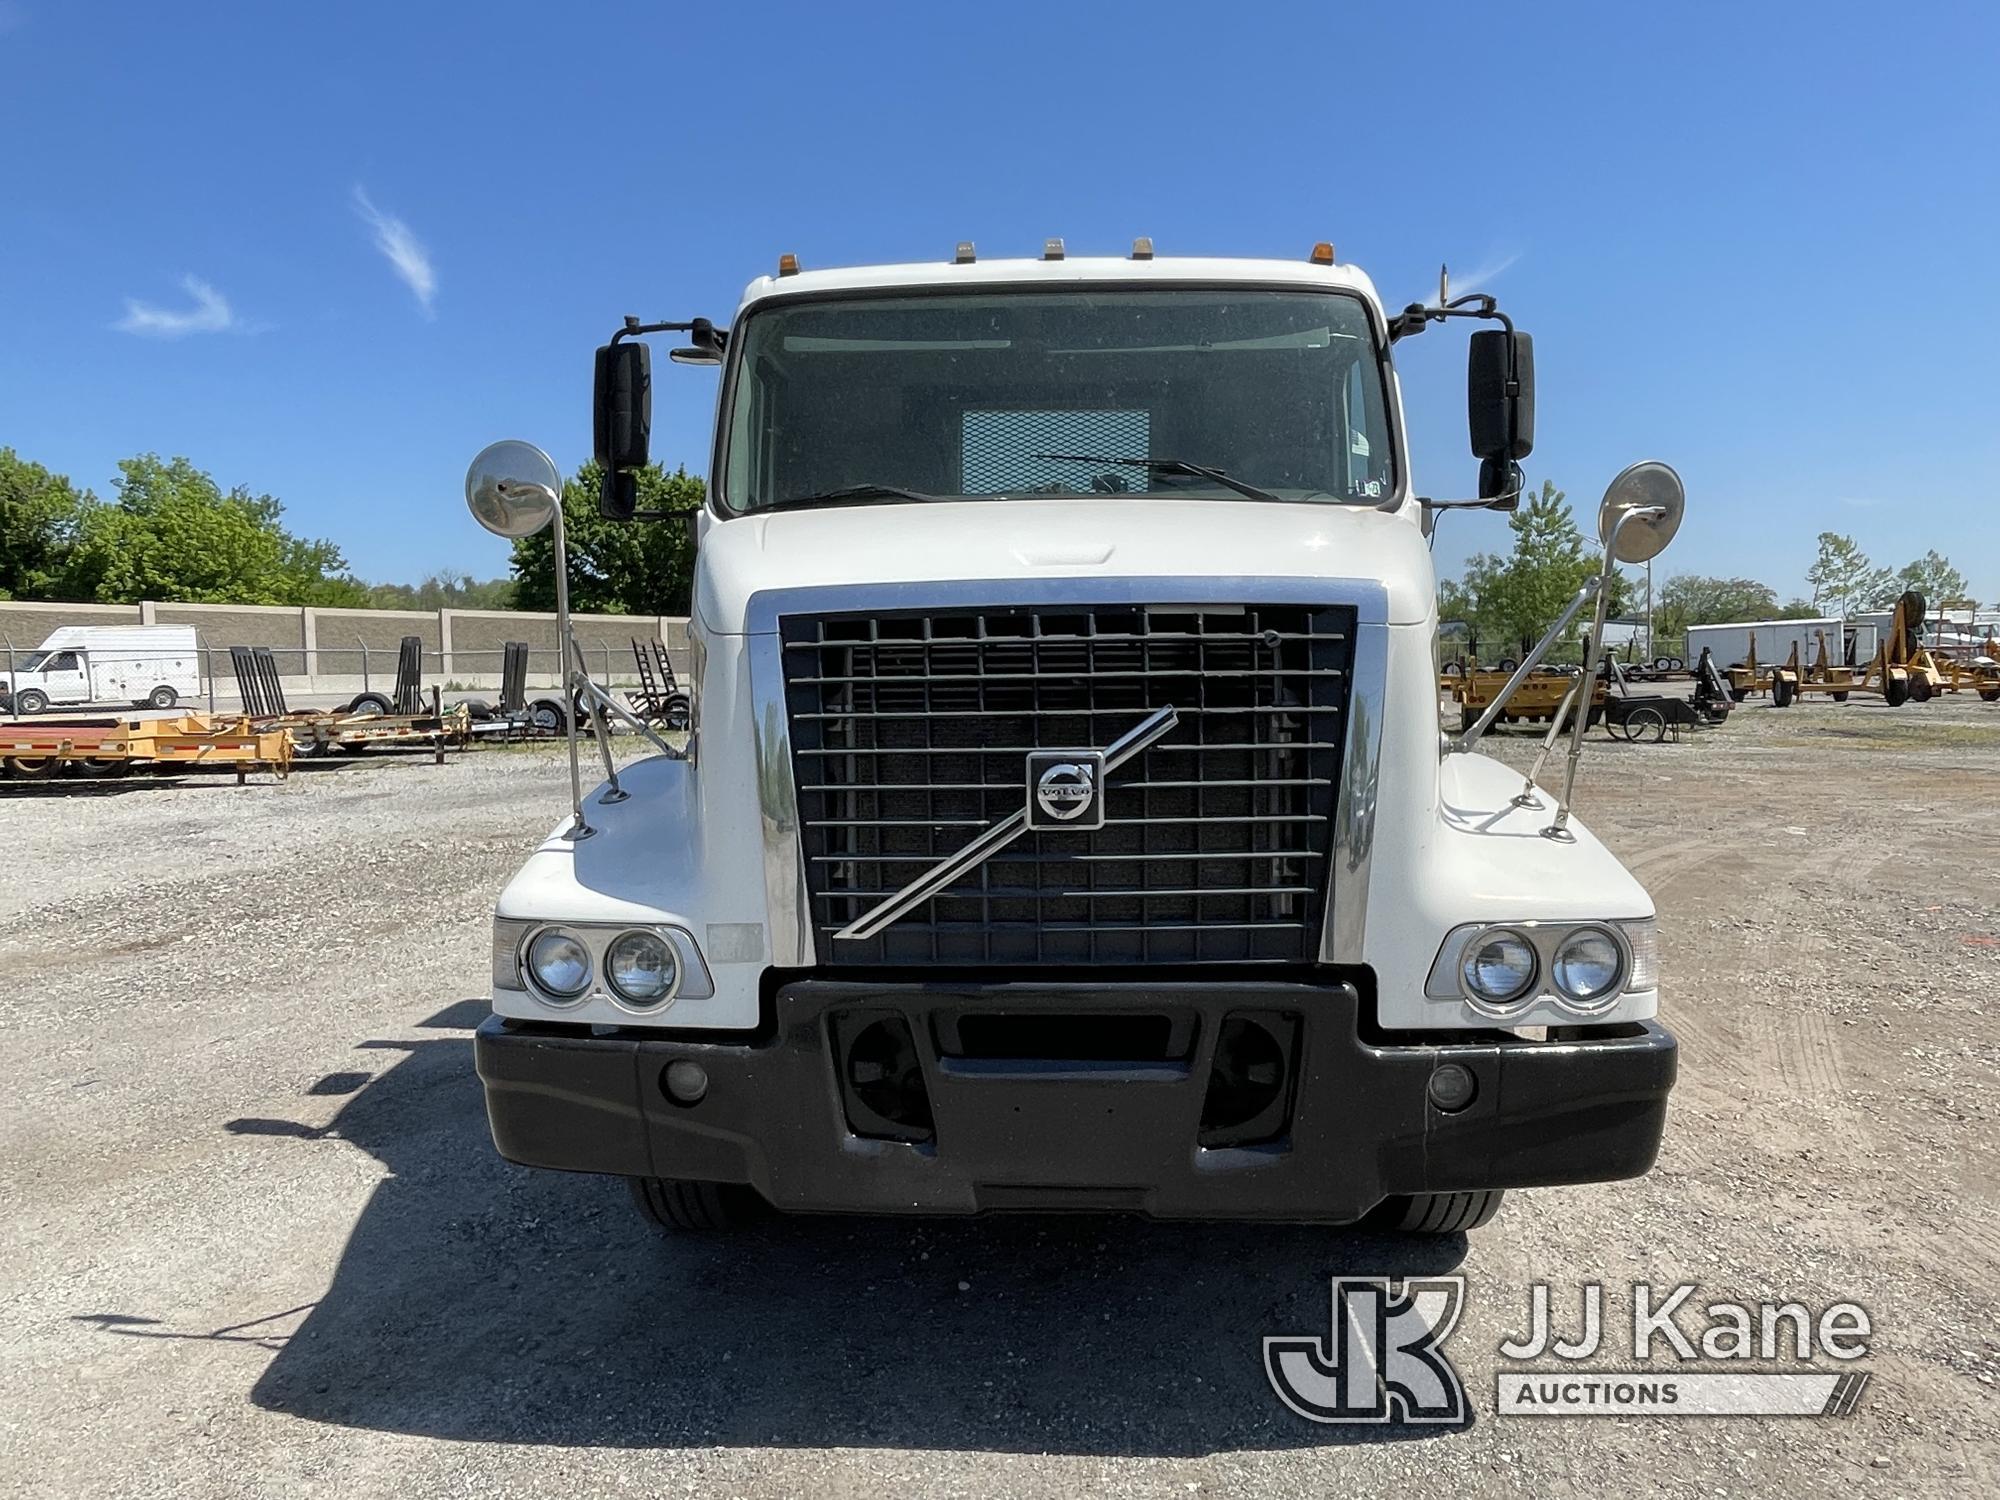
(999, 449)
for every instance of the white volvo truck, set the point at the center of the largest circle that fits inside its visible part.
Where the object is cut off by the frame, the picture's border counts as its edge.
(1066, 821)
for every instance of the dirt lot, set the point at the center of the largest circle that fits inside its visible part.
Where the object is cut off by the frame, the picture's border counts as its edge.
(254, 1240)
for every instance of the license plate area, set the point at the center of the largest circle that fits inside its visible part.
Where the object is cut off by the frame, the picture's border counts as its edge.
(1124, 1036)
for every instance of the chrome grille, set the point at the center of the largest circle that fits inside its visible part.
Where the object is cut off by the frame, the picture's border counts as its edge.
(910, 733)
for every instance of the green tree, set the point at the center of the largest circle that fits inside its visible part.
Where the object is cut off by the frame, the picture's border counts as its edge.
(1796, 609)
(1843, 580)
(1518, 596)
(1455, 601)
(1942, 585)
(615, 567)
(40, 515)
(444, 590)
(1697, 599)
(174, 534)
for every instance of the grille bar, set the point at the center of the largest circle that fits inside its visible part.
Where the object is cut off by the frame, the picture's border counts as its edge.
(910, 733)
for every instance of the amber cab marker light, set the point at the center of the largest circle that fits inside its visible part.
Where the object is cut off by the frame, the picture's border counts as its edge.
(1142, 247)
(788, 265)
(1323, 253)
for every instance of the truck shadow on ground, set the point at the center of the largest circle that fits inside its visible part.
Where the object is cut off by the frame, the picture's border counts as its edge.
(476, 1300)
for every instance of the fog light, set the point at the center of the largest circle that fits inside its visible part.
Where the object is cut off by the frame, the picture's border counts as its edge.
(686, 1081)
(1452, 1087)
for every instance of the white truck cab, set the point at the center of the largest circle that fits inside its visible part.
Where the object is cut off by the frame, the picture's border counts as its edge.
(81, 665)
(1066, 820)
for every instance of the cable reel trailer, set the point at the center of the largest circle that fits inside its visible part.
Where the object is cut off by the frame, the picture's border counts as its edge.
(1901, 671)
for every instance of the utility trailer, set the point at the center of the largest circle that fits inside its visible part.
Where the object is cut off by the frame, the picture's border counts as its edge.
(659, 699)
(369, 721)
(102, 749)
(1535, 701)
(516, 715)
(1752, 646)
(1651, 717)
(1901, 671)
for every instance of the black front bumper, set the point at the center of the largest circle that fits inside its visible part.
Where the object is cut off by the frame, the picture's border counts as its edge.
(1358, 1122)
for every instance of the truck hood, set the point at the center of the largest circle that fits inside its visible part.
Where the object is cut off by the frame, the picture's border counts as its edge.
(1073, 536)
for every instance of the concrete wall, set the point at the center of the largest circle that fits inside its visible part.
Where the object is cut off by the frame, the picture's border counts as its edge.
(332, 652)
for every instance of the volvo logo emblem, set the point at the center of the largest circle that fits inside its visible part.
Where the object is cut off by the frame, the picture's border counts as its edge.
(1065, 789)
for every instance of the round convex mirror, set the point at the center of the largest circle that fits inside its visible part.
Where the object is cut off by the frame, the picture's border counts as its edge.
(1650, 485)
(513, 488)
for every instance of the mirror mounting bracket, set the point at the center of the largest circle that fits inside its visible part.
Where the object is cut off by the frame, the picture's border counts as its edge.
(706, 342)
(1418, 316)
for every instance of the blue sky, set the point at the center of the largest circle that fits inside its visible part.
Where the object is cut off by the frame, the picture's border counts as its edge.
(328, 252)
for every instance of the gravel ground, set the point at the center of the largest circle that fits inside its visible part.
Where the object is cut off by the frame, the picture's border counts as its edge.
(253, 1238)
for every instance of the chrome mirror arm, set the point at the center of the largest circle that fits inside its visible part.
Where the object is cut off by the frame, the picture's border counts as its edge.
(1593, 654)
(1594, 588)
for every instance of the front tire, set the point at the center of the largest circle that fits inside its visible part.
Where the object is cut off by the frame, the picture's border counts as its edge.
(1436, 1213)
(31, 701)
(697, 1207)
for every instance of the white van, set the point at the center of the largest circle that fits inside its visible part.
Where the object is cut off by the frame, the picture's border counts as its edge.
(149, 665)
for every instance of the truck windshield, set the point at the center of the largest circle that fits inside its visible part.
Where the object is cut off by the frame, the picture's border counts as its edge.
(997, 394)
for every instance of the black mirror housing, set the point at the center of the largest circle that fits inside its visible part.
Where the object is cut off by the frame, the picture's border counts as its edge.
(1500, 397)
(1500, 483)
(623, 410)
(618, 498)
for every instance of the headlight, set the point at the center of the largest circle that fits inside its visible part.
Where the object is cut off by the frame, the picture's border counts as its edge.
(1499, 967)
(642, 969)
(1589, 965)
(559, 963)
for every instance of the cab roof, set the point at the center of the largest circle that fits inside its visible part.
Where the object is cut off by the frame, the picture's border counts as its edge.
(1069, 271)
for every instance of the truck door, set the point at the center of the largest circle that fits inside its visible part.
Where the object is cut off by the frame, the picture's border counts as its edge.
(63, 678)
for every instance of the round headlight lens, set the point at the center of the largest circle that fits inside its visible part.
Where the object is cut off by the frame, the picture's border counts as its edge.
(559, 963)
(642, 968)
(1499, 967)
(1589, 966)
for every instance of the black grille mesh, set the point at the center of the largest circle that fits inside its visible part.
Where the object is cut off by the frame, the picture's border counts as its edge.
(910, 734)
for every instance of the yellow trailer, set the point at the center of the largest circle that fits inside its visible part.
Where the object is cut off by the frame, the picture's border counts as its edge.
(1541, 693)
(100, 748)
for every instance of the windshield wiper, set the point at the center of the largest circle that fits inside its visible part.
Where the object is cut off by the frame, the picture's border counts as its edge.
(1165, 466)
(851, 492)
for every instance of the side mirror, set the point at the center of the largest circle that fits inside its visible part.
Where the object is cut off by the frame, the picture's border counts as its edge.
(513, 489)
(1500, 397)
(622, 423)
(1652, 490)
(1500, 482)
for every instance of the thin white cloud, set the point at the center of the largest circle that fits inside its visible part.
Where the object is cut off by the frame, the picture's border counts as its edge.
(1479, 276)
(393, 238)
(209, 314)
